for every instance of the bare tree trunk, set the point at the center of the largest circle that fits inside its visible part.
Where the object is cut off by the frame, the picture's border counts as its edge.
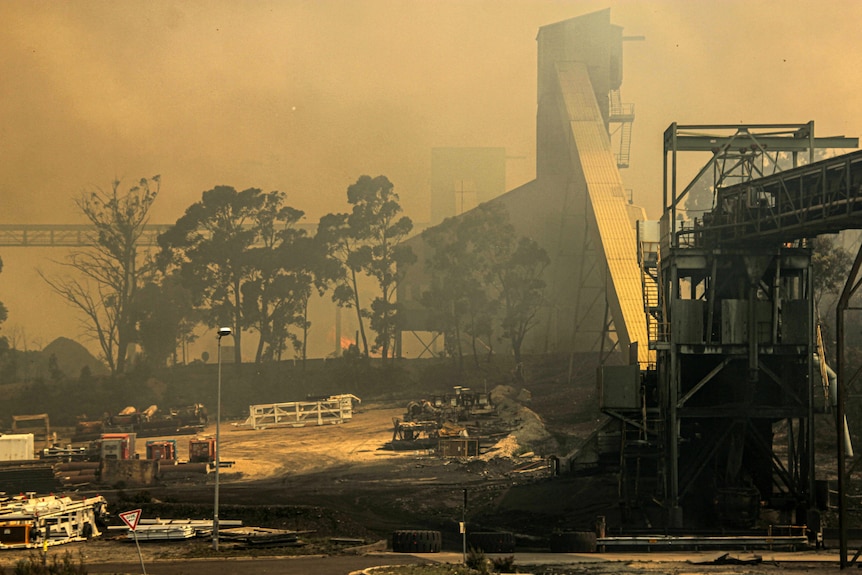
(304, 332)
(359, 313)
(237, 327)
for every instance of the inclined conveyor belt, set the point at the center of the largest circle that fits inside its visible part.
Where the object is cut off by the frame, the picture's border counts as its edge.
(820, 198)
(616, 234)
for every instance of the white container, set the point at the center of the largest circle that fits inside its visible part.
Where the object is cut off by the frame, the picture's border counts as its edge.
(16, 447)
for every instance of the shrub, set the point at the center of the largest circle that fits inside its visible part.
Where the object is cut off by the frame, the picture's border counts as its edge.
(476, 560)
(35, 565)
(504, 564)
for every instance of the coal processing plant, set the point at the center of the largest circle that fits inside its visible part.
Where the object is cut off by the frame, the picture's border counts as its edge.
(717, 416)
(713, 381)
(712, 411)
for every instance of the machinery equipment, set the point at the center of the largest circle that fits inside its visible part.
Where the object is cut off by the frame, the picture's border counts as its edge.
(27, 521)
(717, 421)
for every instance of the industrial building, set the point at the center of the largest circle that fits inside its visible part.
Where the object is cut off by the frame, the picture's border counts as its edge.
(577, 207)
(712, 398)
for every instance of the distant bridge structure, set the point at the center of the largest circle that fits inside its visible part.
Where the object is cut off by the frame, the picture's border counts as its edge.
(63, 235)
(78, 235)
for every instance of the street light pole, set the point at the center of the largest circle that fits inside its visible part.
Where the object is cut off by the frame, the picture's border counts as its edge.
(223, 331)
(464, 526)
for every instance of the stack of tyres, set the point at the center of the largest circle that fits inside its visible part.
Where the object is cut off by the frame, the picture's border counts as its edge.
(416, 541)
(492, 542)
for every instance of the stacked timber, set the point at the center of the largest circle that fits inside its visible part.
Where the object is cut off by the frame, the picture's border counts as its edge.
(75, 473)
(260, 537)
(27, 476)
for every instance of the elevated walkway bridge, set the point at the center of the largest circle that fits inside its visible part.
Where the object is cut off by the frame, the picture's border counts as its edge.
(820, 198)
(64, 235)
(81, 235)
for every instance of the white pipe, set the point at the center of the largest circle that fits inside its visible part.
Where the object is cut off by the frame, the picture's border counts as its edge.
(832, 382)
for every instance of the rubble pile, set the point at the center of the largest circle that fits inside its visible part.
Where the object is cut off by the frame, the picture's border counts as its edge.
(147, 423)
(497, 423)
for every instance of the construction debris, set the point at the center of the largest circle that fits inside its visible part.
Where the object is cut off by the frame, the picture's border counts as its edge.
(461, 424)
(30, 522)
(162, 532)
(173, 529)
(460, 405)
(414, 435)
(731, 559)
(147, 423)
(260, 537)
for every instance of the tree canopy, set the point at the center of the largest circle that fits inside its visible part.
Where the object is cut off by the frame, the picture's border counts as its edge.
(106, 274)
(483, 275)
(830, 265)
(246, 265)
(368, 240)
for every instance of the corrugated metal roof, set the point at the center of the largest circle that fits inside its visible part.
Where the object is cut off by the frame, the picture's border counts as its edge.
(592, 149)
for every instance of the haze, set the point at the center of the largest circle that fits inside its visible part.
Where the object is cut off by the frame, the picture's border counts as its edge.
(304, 97)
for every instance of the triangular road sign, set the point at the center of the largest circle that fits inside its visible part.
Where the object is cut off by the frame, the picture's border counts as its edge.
(131, 518)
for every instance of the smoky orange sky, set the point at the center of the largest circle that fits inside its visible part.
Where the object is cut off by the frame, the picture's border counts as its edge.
(306, 96)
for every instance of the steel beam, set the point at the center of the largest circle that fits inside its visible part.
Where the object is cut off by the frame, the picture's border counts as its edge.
(749, 142)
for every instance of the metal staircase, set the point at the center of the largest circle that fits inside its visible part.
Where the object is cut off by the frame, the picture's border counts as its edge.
(624, 115)
(625, 145)
(650, 264)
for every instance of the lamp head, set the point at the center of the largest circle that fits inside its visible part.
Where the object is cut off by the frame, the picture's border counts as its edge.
(223, 331)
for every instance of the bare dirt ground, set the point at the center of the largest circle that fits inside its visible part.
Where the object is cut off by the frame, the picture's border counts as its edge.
(343, 467)
(328, 481)
(337, 476)
(335, 481)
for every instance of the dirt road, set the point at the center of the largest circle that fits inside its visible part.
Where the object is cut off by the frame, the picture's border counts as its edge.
(286, 451)
(315, 565)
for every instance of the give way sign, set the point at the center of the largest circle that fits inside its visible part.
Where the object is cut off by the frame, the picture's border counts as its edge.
(131, 518)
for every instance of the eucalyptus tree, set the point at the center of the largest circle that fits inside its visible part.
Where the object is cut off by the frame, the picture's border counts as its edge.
(166, 319)
(277, 292)
(368, 240)
(449, 274)
(106, 277)
(519, 283)
(209, 245)
(376, 222)
(247, 264)
(458, 296)
(830, 264)
(482, 276)
(339, 245)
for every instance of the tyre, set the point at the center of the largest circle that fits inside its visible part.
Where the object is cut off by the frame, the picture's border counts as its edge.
(492, 542)
(416, 541)
(573, 542)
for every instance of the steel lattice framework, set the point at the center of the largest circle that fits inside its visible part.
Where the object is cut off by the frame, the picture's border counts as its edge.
(727, 413)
